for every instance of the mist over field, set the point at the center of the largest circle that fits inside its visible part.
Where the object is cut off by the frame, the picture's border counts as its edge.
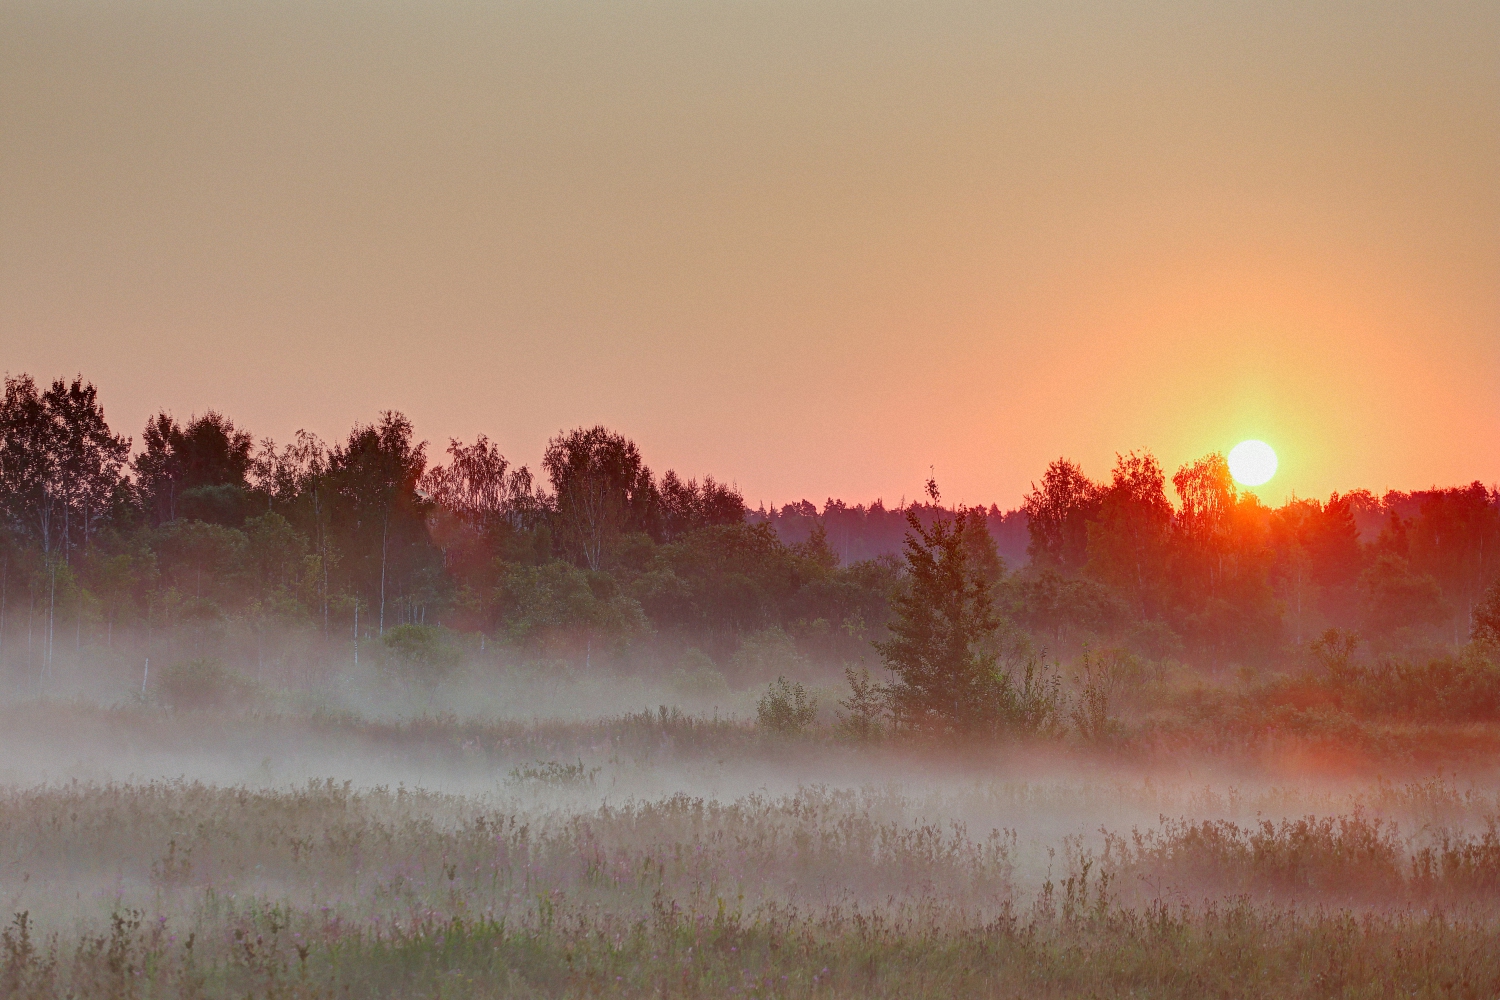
(782, 500)
(361, 719)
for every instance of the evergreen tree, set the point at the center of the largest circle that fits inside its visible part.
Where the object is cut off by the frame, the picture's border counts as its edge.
(946, 680)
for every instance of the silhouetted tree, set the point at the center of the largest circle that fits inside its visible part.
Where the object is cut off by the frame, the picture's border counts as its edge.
(1208, 497)
(945, 678)
(376, 471)
(1486, 627)
(199, 471)
(1057, 516)
(602, 489)
(89, 458)
(31, 491)
(687, 506)
(1128, 540)
(1397, 597)
(298, 478)
(479, 488)
(1456, 539)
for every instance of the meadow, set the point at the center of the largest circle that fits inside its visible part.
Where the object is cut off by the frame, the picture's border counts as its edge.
(290, 846)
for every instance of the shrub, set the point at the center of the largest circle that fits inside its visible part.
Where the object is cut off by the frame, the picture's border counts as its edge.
(201, 683)
(698, 678)
(867, 706)
(1034, 706)
(1463, 688)
(763, 655)
(423, 652)
(552, 772)
(1101, 675)
(786, 707)
(1486, 627)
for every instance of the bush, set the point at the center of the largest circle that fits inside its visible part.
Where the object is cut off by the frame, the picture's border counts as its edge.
(201, 683)
(698, 678)
(552, 772)
(423, 652)
(763, 655)
(786, 707)
(1486, 627)
(1462, 688)
(868, 705)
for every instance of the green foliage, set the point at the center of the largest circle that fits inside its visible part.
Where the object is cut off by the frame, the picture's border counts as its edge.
(558, 603)
(1129, 541)
(1090, 713)
(603, 489)
(697, 677)
(425, 653)
(1397, 597)
(1052, 605)
(1443, 689)
(276, 551)
(765, 654)
(201, 559)
(1486, 626)
(1057, 516)
(1034, 706)
(866, 708)
(1334, 650)
(786, 708)
(945, 680)
(553, 772)
(220, 503)
(213, 537)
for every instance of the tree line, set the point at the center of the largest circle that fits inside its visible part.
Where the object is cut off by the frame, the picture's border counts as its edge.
(1232, 578)
(204, 540)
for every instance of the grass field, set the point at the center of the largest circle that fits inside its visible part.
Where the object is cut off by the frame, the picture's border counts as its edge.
(146, 852)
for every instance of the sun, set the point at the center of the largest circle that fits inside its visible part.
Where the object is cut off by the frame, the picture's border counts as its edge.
(1252, 463)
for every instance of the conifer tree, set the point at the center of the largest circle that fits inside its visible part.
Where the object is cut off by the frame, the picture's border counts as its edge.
(946, 680)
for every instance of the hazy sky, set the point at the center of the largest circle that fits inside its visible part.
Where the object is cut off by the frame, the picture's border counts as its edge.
(814, 248)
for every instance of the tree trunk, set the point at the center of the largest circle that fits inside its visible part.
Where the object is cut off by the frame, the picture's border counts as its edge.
(385, 533)
(323, 555)
(51, 617)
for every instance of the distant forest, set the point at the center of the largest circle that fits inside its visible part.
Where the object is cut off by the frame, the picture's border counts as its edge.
(194, 539)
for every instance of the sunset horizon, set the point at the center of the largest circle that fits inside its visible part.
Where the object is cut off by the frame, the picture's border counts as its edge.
(820, 254)
(799, 499)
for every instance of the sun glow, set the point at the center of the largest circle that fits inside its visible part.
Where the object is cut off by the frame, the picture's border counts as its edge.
(1252, 463)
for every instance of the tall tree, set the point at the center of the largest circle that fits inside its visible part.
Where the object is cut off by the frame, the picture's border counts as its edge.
(158, 469)
(602, 489)
(298, 478)
(1204, 523)
(213, 452)
(1486, 627)
(687, 506)
(1128, 540)
(946, 678)
(479, 488)
(377, 471)
(1057, 516)
(1456, 539)
(31, 491)
(89, 458)
(483, 510)
(209, 461)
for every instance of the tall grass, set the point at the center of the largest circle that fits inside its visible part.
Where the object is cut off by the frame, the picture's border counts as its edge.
(187, 889)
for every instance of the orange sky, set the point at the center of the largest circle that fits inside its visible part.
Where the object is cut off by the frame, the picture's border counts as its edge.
(815, 248)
